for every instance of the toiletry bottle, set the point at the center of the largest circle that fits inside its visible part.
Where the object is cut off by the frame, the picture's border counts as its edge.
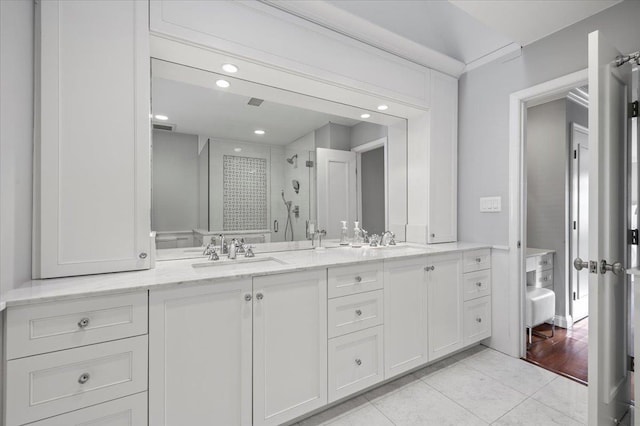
(344, 238)
(357, 236)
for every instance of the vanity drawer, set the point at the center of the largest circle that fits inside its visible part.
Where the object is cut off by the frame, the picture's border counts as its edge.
(355, 362)
(544, 278)
(345, 280)
(59, 382)
(476, 284)
(53, 326)
(356, 312)
(477, 260)
(127, 411)
(477, 320)
(544, 262)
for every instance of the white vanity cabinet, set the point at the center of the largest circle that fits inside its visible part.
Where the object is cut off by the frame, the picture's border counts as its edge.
(92, 145)
(200, 354)
(289, 346)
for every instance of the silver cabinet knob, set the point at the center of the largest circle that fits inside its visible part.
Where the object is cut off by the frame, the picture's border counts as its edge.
(429, 268)
(479, 319)
(247, 297)
(83, 323)
(358, 361)
(479, 284)
(358, 312)
(358, 279)
(478, 259)
(259, 296)
(142, 255)
(84, 378)
(544, 262)
(433, 235)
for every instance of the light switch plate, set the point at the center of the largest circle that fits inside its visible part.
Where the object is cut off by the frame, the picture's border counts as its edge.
(490, 204)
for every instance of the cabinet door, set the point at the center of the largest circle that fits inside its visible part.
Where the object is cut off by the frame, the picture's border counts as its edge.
(200, 355)
(91, 183)
(289, 346)
(444, 313)
(443, 160)
(405, 315)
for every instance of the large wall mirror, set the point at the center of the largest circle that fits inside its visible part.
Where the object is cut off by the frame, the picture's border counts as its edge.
(257, 163)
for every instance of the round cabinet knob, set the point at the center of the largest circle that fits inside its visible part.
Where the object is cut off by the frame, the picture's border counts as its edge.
(259, 296)
(479, 320)
(247, 297)
(83, 323)
(358, 312)
(142, 255)
(84, 378)
(433, 235)
(358, 361)
(545, 279)
(478, 259)
(479, 284)
(358, 279)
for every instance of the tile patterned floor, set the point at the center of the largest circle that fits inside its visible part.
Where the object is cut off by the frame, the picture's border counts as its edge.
(477, 387)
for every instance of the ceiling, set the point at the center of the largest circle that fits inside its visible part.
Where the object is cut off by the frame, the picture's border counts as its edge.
(221, 114)
(471, 32)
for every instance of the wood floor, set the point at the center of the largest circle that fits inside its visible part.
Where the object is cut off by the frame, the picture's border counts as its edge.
(565, 353)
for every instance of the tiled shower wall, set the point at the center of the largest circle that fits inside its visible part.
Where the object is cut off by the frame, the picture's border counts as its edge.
(244, 193)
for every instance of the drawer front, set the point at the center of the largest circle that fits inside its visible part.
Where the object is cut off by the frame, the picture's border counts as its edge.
(51, 384)
(476, 284)
(127, 411)
(477, 260)
(544, 262)
(477, 320)
(54, 326)
(355, 362)
(347, 280)
(544, 278)
(356, 312)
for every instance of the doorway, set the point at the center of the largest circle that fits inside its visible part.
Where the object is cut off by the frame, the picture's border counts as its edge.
(371, 165)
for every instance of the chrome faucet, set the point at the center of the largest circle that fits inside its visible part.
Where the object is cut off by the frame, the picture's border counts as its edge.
(388, 239)
(233, 248)
(223, 245)
(210, 251)
(320, 233)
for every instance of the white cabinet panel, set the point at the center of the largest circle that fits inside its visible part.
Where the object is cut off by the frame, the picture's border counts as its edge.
(356, 312)
(128, 411)
(50, 384)
(477, 320)
(477, 260)
(344, 280)
(476, 284)
(444, 313)
(92, 189)
(289, 346)
(405, 315)
(200, 354)
(355, 362)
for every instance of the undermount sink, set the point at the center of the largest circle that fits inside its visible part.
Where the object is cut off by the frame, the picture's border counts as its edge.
(244, 261)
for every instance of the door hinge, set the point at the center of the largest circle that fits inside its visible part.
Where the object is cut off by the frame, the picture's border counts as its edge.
(632, 363)
(575, 296)
(575, 154)
(633, 237)
(633, 109)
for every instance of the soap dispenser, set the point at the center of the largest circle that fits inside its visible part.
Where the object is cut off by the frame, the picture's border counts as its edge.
(344, 237)
(357, 235)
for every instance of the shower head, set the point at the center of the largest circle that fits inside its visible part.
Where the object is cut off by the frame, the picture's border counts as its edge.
(290, 160)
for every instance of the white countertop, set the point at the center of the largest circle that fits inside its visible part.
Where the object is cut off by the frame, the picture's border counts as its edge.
(538, 252)
(177, 272)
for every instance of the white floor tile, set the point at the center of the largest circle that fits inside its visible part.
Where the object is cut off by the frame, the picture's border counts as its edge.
(419, 404)
(348, 407)
(482, 395)
(566, 396)
(513, 372)
(354, 412)
(534, 413)
(391, 387)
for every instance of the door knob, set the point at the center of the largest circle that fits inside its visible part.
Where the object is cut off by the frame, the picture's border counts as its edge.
(615, 267)
(580, 264)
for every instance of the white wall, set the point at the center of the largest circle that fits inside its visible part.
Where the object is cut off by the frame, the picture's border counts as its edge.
(175, 195)
(16, 141)
(333, 136)
(364, 132)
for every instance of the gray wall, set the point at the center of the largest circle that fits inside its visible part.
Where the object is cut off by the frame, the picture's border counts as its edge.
(372, 164)
(175, 182)
(16, 141)
(483, 148)
(547, 164)
(333, 136)
(364, 132)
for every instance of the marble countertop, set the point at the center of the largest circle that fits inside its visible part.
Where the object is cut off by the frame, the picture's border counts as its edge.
(538, 252)
(179, 272)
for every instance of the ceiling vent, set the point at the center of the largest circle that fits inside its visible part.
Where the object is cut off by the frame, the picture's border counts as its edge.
(164, 126)
(255, 102)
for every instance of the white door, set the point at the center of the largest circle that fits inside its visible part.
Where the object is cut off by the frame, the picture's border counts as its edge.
(336, 183)
(580, 219)
(444, 297)
(405, 315)
(200, 355)
(290, 346)
(609, 90)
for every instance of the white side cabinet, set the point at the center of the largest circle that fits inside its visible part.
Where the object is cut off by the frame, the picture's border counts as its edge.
(405, 315)
(200, 354)
(92, 150)
(289, 346)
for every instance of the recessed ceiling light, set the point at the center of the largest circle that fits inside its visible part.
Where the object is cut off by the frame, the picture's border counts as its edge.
(237, 149)
(365, 115)
(161, 117)
(382, 107)
(230, 68)
(259, 132)
(222, 83)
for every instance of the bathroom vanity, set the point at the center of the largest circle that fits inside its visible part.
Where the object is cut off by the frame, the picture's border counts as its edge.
(259, 341)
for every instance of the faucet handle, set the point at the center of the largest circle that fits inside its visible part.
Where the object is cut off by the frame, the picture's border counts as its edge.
(214, 254)
(248, 251)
